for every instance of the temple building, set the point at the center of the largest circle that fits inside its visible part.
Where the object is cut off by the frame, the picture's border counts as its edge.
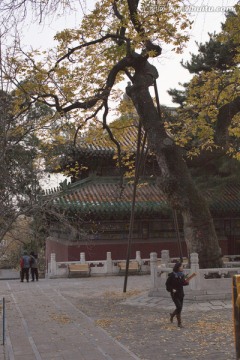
(94, 211)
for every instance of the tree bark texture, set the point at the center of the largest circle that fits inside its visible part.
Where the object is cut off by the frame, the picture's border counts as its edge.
(176, 182)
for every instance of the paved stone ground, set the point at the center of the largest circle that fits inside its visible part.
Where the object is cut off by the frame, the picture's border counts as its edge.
(142, 324)
(92, 319)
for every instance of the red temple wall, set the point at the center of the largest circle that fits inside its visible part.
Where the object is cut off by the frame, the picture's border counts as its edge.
(118, 251)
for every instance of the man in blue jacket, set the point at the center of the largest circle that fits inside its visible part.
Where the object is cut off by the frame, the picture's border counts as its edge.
(25, 266)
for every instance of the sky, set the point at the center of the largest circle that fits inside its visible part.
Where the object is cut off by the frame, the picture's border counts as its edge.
(206, 14)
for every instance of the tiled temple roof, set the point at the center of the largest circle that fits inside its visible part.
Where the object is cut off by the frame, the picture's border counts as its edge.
(104, 197)
(96, 146)
(95, 151)
(226, 201)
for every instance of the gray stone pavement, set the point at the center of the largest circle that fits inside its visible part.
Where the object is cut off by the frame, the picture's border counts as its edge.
(68, 319)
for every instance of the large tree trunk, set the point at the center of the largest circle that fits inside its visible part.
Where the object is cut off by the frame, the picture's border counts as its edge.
(176, 182)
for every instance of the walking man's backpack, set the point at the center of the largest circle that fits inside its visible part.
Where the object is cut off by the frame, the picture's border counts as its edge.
(168, 283)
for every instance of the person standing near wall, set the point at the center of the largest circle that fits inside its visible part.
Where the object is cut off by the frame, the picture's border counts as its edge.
(25, 266)
(34, 266)
(174, 284)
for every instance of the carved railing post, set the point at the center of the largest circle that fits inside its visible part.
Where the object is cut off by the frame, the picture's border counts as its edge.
(82, 258)
(195, 282)
(138, 257)
(153, 269)
(165, 259)
(109, 263)
(53, 265)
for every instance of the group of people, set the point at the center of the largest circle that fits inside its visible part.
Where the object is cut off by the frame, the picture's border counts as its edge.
(28, 263)
(174, 284)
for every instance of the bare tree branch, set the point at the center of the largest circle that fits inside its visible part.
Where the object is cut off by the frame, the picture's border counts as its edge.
(87, 44)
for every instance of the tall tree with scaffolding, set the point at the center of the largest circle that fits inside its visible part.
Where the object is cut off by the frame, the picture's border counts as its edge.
(120, 40)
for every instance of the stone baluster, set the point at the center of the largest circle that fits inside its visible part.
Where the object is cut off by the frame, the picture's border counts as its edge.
(165, 259)
(138, 257)
(109, 263)
(195, 282)
(153, 270)
(53, 265)
(82, 258)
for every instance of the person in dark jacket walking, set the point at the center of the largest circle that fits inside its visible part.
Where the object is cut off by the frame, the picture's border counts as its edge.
(25, 266)
(34, 266)
(175, 282)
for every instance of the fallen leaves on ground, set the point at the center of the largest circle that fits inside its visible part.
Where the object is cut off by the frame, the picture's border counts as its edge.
(61, 319)
(121, 295)
(148, 331)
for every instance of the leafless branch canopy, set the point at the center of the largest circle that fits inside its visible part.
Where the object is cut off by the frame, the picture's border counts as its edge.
(14, 12)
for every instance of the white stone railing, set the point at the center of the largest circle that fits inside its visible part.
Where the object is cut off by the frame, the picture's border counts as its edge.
(98, 268)
(206, 280)
(158, 268)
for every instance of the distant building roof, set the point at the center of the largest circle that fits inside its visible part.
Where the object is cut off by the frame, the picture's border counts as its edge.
(225, 200)
(106, 197)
